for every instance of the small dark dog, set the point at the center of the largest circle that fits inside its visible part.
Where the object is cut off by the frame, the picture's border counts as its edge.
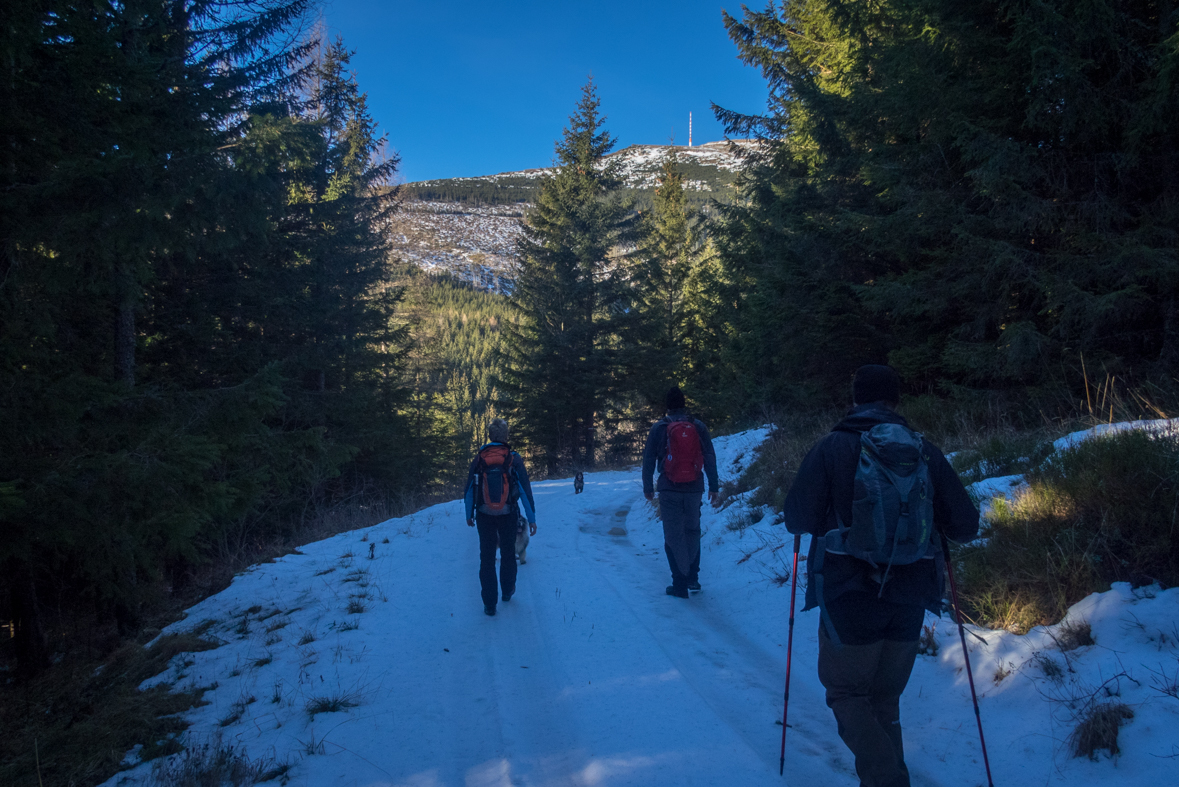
(578, 483)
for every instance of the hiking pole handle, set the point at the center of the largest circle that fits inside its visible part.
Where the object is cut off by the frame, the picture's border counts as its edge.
(789, 652)
(966, 654)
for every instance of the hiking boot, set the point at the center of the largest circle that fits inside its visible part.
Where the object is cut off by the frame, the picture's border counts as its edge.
(693, 587)
(508, 596)
(672, 590)
(489, 611)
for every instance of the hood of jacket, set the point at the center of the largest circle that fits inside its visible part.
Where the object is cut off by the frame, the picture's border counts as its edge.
(863, 417)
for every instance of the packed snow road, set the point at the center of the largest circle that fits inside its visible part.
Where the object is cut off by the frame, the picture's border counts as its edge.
(366, 659)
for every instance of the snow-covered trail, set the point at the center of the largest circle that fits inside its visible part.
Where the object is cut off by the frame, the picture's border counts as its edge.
(589, 675)
(365, 659)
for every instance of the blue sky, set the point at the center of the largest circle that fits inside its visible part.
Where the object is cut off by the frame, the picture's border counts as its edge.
(473, 88)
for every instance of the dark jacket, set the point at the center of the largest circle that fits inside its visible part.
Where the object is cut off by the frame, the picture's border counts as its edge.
(526, 501)
(656, 452)
(823, 489)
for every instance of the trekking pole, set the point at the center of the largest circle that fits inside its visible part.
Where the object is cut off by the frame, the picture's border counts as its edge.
(789, 649)
(965, 654)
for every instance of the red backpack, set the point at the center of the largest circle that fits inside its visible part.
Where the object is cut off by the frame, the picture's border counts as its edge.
(685, 457)
(494, 470)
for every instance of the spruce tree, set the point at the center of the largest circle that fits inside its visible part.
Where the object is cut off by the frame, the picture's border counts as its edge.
(664, 256)
(972, 192)
(159, 264)
(572, 304)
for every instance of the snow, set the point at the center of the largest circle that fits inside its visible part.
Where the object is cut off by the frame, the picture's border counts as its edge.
(590, 675)
(640, 165)
(1162, 426)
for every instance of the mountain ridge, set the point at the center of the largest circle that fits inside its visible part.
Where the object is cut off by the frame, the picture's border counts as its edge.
(469, 226)
(640, 164)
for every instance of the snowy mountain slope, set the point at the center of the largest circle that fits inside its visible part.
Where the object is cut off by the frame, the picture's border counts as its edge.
(469, 227)
(475, 244)
(639, 165)
(592, 676)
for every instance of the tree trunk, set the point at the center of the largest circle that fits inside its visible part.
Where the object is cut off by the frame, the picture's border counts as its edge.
(125, 327)
(32, 643)
(1169, 354)
(589, 442)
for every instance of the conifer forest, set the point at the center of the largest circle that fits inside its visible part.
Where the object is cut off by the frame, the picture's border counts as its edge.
(207, 348)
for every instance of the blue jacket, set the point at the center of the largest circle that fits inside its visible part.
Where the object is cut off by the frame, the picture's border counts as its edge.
(518, 471)
(656, 451)
(823, 490)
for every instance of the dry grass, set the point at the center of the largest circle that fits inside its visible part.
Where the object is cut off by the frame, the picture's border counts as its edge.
(1099, 728)
(1102, 512)
(776, 460)
(80, 717)
(332, 703)
(1074, 634)
(927, 644)
(217, 764)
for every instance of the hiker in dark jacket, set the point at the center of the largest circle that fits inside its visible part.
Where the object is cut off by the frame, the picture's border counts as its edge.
(680, 502)
(497, 528)
(868, 631)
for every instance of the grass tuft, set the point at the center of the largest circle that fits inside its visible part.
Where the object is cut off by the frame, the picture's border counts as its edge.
(1074, 634)
(1051, 668)
(332, 703)
(927, 644)
(1099, 728)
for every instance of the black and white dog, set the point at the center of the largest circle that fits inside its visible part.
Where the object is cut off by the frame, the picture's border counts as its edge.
(578, 483)
(521, 539)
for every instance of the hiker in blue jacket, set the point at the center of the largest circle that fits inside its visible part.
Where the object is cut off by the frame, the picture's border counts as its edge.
(681, 488)
(498, 491)
(870, 617)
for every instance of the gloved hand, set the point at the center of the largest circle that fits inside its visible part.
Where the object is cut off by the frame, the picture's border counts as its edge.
(470, 523)
(714, 499)
(649, 495)
(532, 528)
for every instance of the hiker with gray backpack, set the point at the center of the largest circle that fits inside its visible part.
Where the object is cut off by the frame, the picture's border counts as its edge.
(681, 447)
(876, 499)
(497, 496)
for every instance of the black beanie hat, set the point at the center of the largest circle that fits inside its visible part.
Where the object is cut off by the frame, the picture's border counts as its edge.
(875, 383)
(675, 398)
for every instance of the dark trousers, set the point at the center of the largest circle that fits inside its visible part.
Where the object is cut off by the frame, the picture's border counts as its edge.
(680, 512)
(864, 676)
(496, 531)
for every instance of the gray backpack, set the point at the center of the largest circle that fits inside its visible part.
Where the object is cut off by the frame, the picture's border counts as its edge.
(892, 506)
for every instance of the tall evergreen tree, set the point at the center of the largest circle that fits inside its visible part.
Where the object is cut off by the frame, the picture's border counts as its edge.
(572, 304)
(972, 191)
(664, 262)
(195, 327)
